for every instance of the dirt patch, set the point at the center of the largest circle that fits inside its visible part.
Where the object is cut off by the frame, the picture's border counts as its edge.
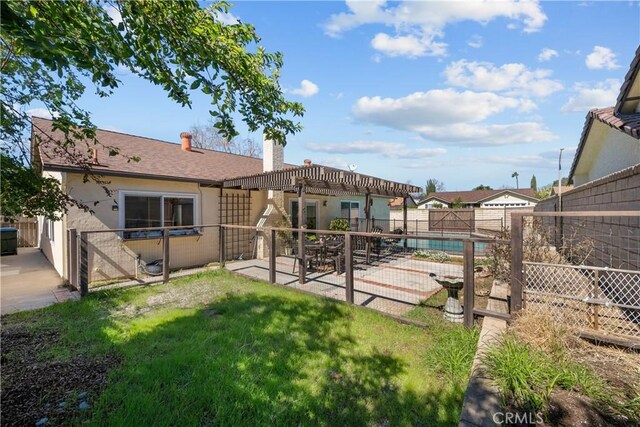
(34, 390)
(571, 409)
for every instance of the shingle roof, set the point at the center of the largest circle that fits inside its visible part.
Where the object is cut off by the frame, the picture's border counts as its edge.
(627, 123)
(612, 116)
(475, 196)
(632, 74)
(159, 159)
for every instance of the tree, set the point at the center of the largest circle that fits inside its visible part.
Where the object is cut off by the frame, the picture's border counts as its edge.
(516, 175)
(457, 203)
(482, 187)
(52, 50)
(433, 186)
(207, 136)
(534, 183)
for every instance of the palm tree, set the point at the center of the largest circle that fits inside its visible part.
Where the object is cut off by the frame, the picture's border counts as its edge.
(516, 175)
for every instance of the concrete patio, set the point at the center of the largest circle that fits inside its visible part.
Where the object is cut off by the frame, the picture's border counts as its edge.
(29, 281)
(393, 284)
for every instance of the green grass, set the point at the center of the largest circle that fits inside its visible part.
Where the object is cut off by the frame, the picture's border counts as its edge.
(215, 348)
(527, 376)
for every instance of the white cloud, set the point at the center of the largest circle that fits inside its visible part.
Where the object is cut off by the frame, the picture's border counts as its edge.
(475, 41)
(387, 149)
(227, 18)
(114, 14)
(601, 57)
(602, 94)
(409, 46)
(452, 117)
(307, 88)
(418, 25)
(546, 160)
(512, 79)
(547, 54)
(41, 112)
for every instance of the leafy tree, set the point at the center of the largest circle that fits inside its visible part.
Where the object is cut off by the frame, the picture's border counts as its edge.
(433, 186)
(516, 175)
(207, 136)
(482, 187)
(51, 51)
(457, 203)
(534, 183)
(543, 192)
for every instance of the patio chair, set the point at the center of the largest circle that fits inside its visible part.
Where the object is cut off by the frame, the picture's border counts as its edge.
(335, 253)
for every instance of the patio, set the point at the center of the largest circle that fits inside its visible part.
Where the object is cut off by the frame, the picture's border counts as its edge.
(393, 283)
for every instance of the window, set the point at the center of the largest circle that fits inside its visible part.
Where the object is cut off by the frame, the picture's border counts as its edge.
(151, 210)
(48, 228)
(351, 212)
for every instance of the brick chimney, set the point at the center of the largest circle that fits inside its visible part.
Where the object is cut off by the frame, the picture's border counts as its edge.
(273, 155)
(307, 162)
(185, 140)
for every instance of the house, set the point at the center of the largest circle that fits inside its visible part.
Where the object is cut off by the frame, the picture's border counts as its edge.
(398, 202)
(606, 177)
(510, 198)
(610, 140)
(178, 185)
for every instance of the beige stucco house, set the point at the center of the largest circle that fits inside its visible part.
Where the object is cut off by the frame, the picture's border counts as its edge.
(488, 199)
(173, 184)
(610, 140)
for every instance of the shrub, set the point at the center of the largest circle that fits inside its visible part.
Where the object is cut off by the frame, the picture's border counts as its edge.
(436, 256)
(339, 224)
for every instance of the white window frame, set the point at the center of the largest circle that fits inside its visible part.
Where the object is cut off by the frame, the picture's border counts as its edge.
(123, 193)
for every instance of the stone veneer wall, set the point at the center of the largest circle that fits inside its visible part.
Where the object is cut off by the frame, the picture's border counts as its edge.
(616, 239)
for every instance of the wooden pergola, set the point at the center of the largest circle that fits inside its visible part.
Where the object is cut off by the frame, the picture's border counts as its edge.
(323, 180)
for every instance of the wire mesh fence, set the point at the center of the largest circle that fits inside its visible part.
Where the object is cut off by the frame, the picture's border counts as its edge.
(109, 257)
(584, 270)
(420, 226)
(403, 275)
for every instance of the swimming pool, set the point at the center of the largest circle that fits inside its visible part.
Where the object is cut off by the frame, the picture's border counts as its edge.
(444, 245)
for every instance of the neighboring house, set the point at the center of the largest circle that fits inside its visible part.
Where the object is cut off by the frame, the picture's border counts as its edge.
(178, 185)
(510, 198)
(610, 140)
(398, 202)
(555, 190)
(606, 177)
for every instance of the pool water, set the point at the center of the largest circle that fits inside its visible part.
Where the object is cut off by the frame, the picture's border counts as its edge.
(444, 245)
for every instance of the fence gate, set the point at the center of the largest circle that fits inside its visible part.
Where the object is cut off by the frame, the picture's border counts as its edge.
(27, 230)
(452, 220)
(235, 209)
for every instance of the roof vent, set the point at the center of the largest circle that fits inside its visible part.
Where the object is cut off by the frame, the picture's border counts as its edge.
(185, 140)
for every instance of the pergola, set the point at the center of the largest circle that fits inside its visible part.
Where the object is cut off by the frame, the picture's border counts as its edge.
(328, 181)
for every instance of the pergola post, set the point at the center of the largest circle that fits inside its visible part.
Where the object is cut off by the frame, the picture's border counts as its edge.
(367, 226)
(302, 223)
(404, 220)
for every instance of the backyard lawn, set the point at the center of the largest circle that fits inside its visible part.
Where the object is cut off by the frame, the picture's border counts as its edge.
(220, 349)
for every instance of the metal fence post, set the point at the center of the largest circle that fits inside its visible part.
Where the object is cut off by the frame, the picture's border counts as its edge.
(517, 273)
(469, 283)
(272, 257)
(165, 255)
(73, 258)
(83, 253)
(348, 267)
(221, 242)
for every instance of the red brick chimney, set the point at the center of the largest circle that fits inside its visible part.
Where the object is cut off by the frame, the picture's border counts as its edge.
(185, 139)
(307, 162)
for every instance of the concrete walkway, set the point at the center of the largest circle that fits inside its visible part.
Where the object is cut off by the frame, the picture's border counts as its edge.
(29, 281)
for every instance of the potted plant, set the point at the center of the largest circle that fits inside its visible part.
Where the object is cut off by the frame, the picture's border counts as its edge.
(339, 224)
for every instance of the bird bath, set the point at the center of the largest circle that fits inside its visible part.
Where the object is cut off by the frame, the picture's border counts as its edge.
(453, 284)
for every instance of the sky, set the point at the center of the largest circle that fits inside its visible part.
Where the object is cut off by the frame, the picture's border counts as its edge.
(464, 92)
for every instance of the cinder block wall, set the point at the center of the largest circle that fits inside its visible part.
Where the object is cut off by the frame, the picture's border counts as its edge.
(616, 240)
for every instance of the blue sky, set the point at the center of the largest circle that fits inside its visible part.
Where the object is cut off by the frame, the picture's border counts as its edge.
(463, 92)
